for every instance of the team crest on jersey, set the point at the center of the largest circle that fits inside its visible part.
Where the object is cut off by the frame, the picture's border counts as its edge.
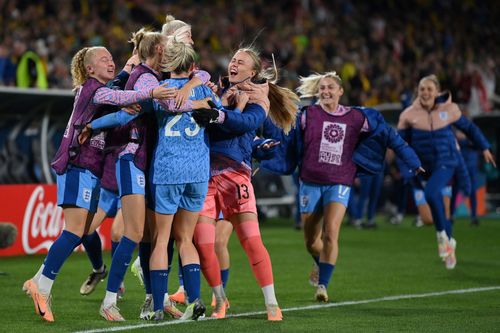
(443, 115)
(141, 181)
(86, 195)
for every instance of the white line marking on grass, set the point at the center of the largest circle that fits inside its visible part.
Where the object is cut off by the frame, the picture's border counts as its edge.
(300, 308)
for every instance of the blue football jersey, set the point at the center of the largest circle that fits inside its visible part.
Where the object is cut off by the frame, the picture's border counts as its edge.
(182, 153)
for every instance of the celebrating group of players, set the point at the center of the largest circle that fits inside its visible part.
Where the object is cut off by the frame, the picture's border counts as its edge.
(171, 151)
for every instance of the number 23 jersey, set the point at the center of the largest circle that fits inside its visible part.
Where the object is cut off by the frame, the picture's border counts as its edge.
(182, 152)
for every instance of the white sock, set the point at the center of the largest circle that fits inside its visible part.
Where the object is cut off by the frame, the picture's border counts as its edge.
(149, 296)
(219, 292)
(100, 270)
(45, 284)
(36, 278)
(109, 299)
(442, 235)
(269, 295)
(166, 301)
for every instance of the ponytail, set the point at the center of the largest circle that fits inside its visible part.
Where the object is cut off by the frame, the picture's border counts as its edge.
(78, 70)
(145, 43)
(283, 107)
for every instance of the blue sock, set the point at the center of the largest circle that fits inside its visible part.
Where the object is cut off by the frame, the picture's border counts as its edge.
(448, 227)
(224, 274)
(170, 251)
(191, 274)
(93, 246)
(114, 245)
(316, 259)
(181, 278)
(159, 282)
(325, 273)
(144, 255)
(120, 263)
(59, 252)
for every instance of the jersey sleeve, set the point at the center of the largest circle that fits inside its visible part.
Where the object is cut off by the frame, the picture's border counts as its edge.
(105, 95)
(242, 122)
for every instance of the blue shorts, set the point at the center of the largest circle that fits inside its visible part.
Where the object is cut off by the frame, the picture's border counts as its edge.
(419, 195)
(168, 198)
(131, 180)
(109, 202)
(312, 195)
(78, 187)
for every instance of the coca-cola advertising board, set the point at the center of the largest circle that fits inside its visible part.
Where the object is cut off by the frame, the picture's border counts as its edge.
(39, 221)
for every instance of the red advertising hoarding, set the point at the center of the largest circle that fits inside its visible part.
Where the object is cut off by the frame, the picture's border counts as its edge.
(39, 221)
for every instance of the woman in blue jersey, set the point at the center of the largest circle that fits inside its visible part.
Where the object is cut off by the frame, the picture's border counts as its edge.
(333, 143)
(181, 146)
(251, 95)
(179, 182)
(130, 144)
(79, 165)
(427, 126)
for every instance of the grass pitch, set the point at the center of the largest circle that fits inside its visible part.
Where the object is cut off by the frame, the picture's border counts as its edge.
(399, 261)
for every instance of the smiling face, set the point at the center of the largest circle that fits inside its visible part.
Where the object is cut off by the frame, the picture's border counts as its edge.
(427, 93)
(241, 67)
(329, 91)
(101, 65)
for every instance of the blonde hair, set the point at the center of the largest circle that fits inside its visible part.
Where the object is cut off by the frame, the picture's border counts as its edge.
(309, 86)
(145, 43)
(433, 78)
(178, 57)
(171, 25)
(80, 60)
(283, 101)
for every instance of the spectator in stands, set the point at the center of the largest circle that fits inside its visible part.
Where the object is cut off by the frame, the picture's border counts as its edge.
(386, 50)
(31, 71)
(7, 68)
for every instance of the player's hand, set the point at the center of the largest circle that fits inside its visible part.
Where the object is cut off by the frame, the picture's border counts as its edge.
(241, 98)
(162, 92)
(201, 103)
(132, 109)
(132, 62)
(489, 158)
(85, 134)
(228, 98)
(204, 117)
(182, 96)
(213, 87)
(269, 144)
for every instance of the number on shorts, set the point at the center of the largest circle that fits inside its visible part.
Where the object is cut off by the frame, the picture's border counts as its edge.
(243, 191)
(189, 132)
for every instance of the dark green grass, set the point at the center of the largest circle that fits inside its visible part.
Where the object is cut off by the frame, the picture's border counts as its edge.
(389, 261)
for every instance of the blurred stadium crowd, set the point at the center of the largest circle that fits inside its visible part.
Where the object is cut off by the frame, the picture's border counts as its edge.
(380, 48)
